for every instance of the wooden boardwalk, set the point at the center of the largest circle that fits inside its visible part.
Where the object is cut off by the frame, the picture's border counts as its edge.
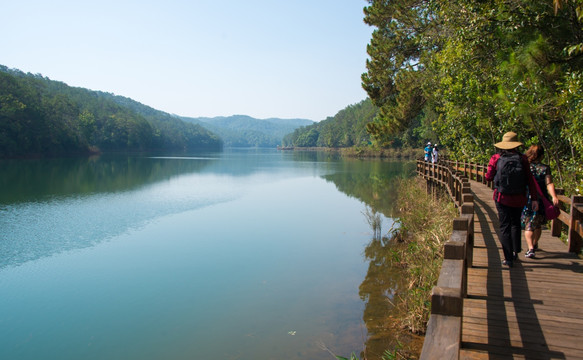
(531, 311)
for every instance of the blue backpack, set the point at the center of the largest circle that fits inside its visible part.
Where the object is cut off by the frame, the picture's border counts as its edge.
(510, 177)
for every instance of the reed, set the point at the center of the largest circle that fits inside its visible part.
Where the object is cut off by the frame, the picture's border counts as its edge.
(374, 220)
(424, 226)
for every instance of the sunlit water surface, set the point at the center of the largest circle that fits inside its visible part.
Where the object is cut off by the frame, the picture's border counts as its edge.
(250, 254)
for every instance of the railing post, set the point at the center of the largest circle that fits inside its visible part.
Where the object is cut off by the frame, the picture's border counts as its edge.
(427, 170)
(467, 213)
(458, 189)
(556, 224)
(428, 186)
(461, 233)
(575, 241)
(466, 189)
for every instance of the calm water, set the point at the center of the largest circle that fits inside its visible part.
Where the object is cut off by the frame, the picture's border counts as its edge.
(253, 254)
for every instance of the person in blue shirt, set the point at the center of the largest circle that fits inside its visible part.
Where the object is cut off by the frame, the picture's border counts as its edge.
(428, 152)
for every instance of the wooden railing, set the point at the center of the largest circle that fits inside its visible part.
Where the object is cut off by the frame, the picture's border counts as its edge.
(444, 329)
(570, 220)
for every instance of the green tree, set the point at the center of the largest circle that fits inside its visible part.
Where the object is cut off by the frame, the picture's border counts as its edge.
(395, 68)
(474, 70)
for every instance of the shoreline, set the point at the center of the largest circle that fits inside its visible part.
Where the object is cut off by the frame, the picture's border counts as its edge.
(359, 152)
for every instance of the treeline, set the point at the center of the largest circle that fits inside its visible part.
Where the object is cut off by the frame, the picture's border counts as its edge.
(40, 117)
(348, 128)
(472, 70)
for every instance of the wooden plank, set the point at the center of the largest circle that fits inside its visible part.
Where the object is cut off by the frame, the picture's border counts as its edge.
(450, 275)
(446, 301)
(499, 312)
(556, 326)
(467, 354)
(455, 248)
(559, 345)
(442, 339)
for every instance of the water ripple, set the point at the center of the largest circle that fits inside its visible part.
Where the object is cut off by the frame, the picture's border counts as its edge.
(32, 230)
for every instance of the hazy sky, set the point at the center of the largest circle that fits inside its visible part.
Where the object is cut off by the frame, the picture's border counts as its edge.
(263, 58)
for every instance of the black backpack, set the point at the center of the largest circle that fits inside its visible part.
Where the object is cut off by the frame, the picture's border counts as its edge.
(510, 177)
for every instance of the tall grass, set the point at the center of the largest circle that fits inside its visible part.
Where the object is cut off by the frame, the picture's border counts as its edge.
(425, 224)
(374, 220)
(368, 152)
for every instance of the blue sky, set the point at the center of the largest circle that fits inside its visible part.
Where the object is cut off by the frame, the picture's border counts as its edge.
(262, 58)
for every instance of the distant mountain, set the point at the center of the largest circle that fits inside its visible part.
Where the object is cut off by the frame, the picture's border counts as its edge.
(246, 131)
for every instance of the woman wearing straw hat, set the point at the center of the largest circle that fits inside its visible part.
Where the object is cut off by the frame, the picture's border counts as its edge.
(510, 171)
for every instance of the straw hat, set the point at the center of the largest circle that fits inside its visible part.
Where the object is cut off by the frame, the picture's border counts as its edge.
(509, 141)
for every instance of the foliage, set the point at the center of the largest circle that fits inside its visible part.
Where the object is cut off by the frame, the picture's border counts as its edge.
(472, 71)
(352, 357)
(39, 117)
(349, 128)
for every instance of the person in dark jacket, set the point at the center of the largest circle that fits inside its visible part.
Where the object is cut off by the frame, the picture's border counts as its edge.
(510, 204)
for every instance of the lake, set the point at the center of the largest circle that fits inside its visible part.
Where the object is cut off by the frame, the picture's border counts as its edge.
(243, 254)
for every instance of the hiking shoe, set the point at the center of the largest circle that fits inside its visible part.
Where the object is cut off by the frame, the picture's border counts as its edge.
(530, 254)
(507, 263)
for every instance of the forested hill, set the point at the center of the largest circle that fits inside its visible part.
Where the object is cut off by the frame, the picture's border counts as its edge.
(346, 128)
(245, 131)
(39, 117)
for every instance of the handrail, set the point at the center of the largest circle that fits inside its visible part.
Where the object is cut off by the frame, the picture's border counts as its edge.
(571, 222)
(444, 329)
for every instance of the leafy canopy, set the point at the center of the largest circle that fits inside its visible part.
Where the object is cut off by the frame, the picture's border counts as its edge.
(474, 70)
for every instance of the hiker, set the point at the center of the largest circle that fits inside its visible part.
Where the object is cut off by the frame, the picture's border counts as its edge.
(427, 151)
(532, 221)
(435, 154)
(510, 171)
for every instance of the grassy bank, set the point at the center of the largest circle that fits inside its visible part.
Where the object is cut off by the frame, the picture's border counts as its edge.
(425, 224)
(367, 152)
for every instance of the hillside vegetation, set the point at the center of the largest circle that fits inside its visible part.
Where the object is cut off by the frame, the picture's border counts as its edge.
(40, 117)
(345, 129)
(245, 131)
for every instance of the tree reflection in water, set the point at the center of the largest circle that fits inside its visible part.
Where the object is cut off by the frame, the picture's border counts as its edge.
(383, 282)
(374, 183)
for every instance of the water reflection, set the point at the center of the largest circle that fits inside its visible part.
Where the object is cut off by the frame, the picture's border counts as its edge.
(374, 183)
(42, 179)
